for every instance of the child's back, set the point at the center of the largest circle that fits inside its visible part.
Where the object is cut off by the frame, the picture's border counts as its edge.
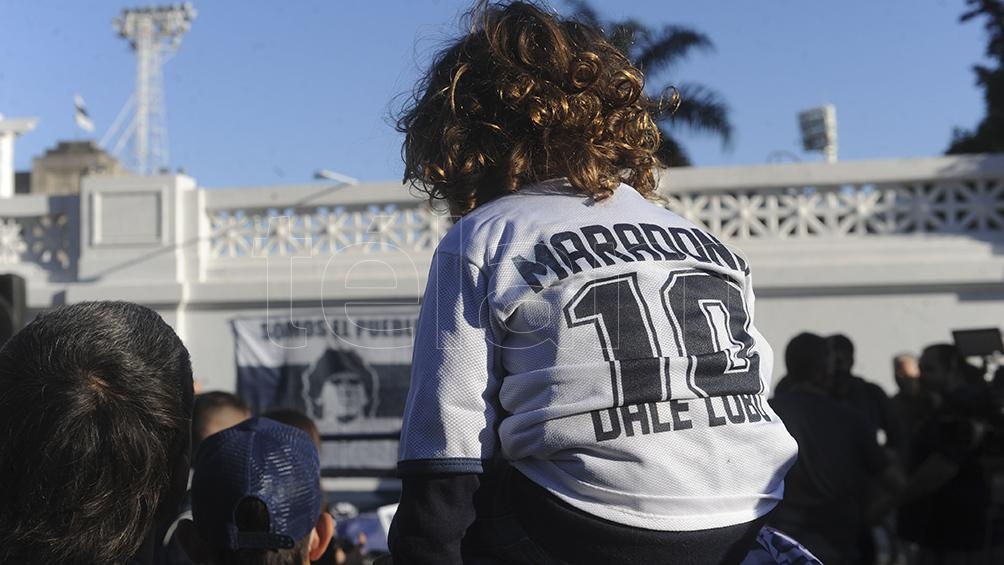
(600, 344)
(606, 349)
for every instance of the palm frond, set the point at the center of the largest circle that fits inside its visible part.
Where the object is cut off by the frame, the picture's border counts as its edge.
(671, 45)
(670, 152)
(701, 110)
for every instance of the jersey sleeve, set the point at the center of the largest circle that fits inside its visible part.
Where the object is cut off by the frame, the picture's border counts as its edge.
(450, 416)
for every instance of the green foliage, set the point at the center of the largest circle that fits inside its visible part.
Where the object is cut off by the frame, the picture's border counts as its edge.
(988, 137)
(655, 51)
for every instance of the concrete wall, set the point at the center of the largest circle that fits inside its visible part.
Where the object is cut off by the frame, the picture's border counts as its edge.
(892, 253)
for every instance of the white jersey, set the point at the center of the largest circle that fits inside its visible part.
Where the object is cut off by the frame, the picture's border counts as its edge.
(605, 349)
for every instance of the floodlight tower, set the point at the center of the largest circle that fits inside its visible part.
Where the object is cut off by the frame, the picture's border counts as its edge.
(155, 34)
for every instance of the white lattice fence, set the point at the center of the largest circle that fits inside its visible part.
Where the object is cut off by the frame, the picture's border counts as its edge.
(43, 234)
(323, 230)
(967, 207)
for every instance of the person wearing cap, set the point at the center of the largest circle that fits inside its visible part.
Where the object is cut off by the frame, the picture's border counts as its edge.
(256, 498)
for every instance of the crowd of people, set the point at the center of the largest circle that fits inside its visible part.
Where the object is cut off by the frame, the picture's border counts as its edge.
(95, 408)
(915, 478)
(99, 425)
(589, 437)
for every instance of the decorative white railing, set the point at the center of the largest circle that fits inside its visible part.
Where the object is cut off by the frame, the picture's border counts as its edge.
(958, 195)
(322, 230)
(366, 219)
(40, 232)
(218, 233)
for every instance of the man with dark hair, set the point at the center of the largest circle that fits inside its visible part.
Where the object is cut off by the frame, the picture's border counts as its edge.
(95, 408)
(837, 453)
(256, 498)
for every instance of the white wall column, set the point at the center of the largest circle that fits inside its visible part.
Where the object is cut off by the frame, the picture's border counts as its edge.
(10, 129)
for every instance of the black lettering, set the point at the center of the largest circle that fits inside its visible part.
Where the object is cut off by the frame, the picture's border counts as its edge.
(759, 403)
(632, 241)
(531, 271)
(339, 327)
(615, 425)
(606, 248)
(676, 409)
(713, 419)
(653, 232)
(682, 237)
(751, 409)
(639, 415)
(737, 417)
(658, 425)
(716, 250)
(579, 251)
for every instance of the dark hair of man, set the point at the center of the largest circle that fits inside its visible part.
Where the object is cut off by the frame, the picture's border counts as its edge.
(806, 358)
(841, 343)
(949, 359)
(206, 404)
(95, 409)
(252, 516)
(294, 418)
(945, 355)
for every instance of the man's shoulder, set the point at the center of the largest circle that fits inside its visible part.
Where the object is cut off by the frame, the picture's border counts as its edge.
(866, 387)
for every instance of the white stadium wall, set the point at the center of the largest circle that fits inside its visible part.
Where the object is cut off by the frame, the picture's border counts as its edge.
(893, 253)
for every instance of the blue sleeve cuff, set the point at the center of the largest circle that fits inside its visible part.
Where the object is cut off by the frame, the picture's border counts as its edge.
(439, 466)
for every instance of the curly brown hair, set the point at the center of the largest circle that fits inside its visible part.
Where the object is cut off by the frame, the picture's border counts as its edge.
(524, 97)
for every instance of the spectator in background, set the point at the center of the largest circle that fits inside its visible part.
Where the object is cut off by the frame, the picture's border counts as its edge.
(256, 498)
(911, 404)
(216, 411)
(837, 455)
(869, 400)
(298, 420)
(866, 397)
(213, 412)
(948, 510)
(95, 408)
(906, 372)
(341, 551)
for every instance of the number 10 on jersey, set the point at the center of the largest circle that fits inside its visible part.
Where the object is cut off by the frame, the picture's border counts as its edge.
(708, 321)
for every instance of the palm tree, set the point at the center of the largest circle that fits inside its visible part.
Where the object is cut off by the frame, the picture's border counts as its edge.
(655, 51)
(988, 136)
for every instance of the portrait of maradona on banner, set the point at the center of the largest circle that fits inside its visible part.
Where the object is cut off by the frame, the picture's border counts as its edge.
(348, 373)
(341, 392)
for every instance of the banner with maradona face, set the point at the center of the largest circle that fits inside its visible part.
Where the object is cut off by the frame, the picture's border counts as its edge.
(347, 368)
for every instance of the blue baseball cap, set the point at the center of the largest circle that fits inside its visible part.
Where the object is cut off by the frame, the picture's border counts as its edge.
(263, 459)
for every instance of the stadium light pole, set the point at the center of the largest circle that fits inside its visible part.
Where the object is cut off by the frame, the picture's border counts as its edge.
(154, 33)
(819, 130)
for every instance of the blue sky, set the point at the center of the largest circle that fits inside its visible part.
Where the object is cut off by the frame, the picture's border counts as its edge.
(266, 92)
